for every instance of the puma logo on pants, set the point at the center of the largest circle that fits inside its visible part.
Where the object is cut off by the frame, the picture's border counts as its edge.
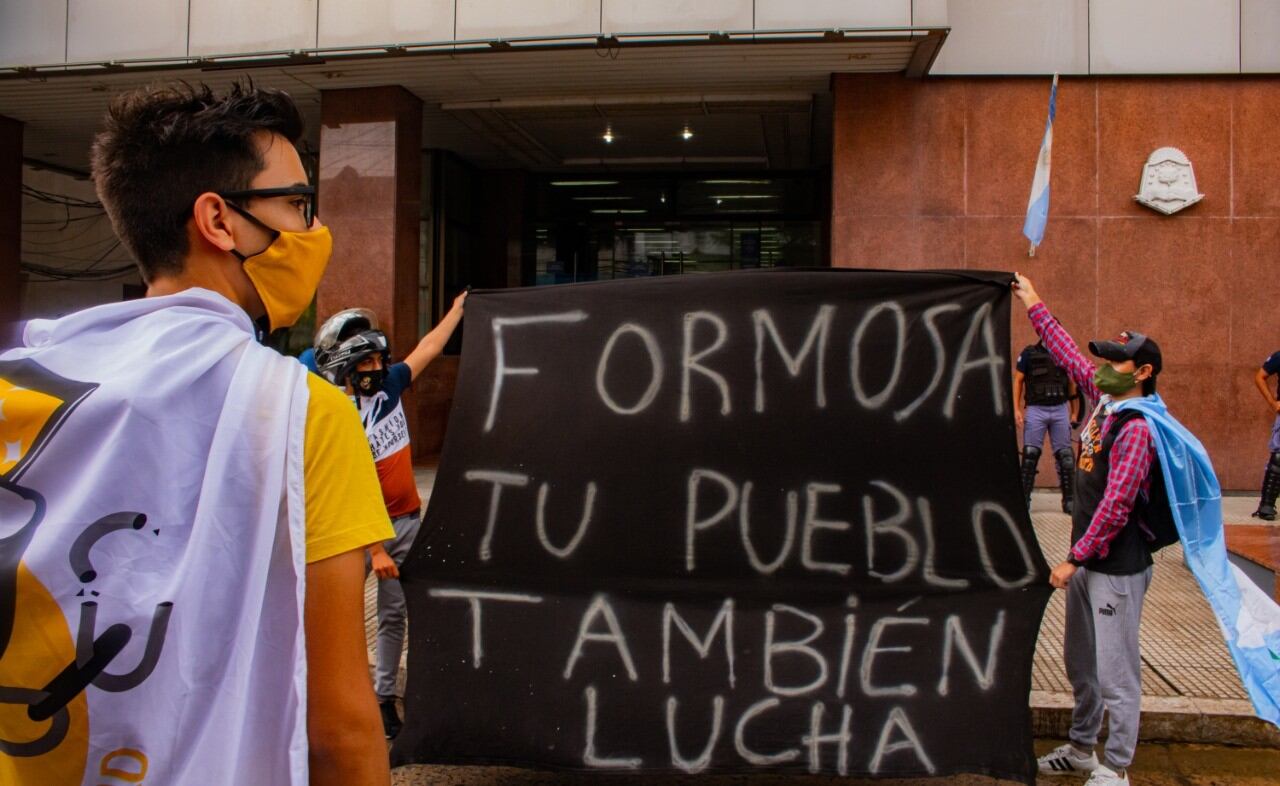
(1102, 658)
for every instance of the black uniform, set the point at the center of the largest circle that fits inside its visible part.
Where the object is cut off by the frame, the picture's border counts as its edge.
(1047, 390)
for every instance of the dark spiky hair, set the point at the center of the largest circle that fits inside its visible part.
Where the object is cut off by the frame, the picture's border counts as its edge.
(161, 148)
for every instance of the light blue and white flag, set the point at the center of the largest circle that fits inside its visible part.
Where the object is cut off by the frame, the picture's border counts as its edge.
(1249, 619)
(1038, 203)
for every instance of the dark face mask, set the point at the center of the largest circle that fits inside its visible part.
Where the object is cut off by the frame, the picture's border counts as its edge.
(368, 383)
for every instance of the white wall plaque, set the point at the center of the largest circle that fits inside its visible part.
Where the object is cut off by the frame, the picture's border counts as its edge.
(1168, 184)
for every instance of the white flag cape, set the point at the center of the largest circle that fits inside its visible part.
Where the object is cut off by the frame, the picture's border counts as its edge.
(151, 491)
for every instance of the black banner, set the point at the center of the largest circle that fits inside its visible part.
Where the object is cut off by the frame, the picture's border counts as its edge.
(733, 522)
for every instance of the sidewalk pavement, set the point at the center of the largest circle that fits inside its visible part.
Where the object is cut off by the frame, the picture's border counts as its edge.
(1190, 690)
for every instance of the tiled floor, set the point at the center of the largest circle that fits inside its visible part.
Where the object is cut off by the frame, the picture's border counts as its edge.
(1183, 652)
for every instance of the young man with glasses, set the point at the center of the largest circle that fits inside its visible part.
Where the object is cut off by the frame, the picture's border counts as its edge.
(233, 494)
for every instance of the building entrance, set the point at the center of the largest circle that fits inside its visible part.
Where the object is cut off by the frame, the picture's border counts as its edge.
(593, 228)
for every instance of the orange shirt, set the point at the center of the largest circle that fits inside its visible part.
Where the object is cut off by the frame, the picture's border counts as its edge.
(387, 429)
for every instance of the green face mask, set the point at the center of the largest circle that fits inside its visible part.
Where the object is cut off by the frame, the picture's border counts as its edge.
(1114, 382)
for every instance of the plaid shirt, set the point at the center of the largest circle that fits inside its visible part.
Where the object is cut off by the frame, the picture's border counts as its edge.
(1131, 455)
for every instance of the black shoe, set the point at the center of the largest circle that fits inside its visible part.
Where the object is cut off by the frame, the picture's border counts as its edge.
(390, 720)
(1265, 512)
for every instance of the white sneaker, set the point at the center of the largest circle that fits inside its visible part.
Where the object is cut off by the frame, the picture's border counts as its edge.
(1105, 776)
(1064, 760)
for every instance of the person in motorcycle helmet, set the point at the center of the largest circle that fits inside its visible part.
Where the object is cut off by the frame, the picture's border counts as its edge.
(352, 353)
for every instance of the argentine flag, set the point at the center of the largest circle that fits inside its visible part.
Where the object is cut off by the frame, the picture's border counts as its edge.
(1248, 618)
(1038, 203)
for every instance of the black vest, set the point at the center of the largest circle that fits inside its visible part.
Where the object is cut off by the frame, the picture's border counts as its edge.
(1129, 552)
(1046, 383)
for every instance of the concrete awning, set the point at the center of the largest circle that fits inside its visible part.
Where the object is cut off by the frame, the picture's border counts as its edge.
(518, 102)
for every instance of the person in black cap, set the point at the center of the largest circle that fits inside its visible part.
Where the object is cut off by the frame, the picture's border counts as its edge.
(1108, 569)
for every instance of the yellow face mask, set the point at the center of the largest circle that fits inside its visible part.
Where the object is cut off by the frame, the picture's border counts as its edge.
(287, 272)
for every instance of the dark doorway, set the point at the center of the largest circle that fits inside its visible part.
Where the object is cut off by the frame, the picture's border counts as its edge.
(590, 228)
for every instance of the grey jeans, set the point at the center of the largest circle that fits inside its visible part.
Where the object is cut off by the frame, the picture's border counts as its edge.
(391, 608)
(1100, 646)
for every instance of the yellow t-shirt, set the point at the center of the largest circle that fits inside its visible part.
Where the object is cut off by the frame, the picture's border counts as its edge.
(344, 501)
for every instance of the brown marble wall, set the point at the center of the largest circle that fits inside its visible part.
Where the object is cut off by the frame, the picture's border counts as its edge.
(370, 197)
(936, 173)
(433, 392)
(10, 225)
(370, 180)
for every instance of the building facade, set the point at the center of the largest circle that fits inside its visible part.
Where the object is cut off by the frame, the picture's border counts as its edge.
(501, 143)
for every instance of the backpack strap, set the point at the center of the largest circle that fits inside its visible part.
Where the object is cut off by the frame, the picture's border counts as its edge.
(1117, 423)
(1152, 507)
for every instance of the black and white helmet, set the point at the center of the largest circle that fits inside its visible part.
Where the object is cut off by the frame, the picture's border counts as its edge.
(336, 363)
(345, 339)
(342, 326)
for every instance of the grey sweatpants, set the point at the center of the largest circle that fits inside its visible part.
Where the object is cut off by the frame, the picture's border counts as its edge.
(1100, 646)
(391, 608)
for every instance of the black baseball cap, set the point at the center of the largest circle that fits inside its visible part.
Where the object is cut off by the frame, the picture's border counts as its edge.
(1130, 345)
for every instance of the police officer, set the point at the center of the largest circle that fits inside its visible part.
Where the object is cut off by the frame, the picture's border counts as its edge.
(1043, 395)
(1271, 474)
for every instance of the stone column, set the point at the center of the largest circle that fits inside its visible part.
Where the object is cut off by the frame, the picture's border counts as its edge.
(369, 197)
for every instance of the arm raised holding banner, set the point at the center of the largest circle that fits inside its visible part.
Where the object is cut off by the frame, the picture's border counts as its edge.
(1121, 470)
(1055, 337)
(432, 344)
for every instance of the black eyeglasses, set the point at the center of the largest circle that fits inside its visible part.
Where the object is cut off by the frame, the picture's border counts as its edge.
(308, 193)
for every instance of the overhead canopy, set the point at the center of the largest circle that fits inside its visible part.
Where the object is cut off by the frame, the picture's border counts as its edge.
(532, 104)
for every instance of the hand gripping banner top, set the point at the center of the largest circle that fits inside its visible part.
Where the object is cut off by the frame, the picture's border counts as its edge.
(730, 523)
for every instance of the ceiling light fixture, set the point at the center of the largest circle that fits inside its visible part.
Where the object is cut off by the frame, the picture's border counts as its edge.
(687, 133)
(607, 136)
